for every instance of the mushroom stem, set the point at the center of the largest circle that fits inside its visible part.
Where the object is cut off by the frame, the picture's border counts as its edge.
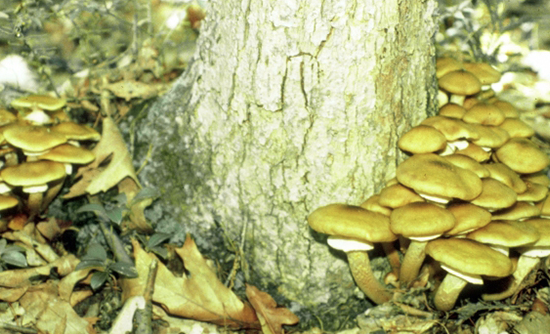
(34, 202)
(414, 257)
(364, 278)
(448, 292)
(51, 193)
(393, 257)
(525, 265)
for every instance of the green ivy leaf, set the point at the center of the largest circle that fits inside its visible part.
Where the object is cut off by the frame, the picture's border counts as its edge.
(160, 251)
(115, 215)
(90, 264)
(124, 269)
(95, 252)
(15, 259)
(98, 209)
(98, 279)
(146, 193)
(157, 239)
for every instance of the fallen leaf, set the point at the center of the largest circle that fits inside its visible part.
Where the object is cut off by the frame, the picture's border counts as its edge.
(199, 295)
(130, 89)
(49, 314)
(271, 317)
(96, 178)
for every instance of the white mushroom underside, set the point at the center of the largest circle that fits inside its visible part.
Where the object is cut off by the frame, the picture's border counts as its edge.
(501, 249)
(435, 199)
(38, 117)
(349, 244)
(4, 188)
(35, 189)
(536, 252)
(474, 279)
(422, 239)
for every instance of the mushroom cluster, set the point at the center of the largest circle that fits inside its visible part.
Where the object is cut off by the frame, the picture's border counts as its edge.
(39, 145)
(472, 197)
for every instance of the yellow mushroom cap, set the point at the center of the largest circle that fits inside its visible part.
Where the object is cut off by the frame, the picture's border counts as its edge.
(7, 202)
(522, 156)
(45, 102)
(421, 220)
(351, 222)
(445, 65)
(484, 72)
(470, 257)
(507, 108)
(504, 174)
(67, 153)
(422, 139)
(484, 113)
(33, 173)
(507, 233)
(466, 162)
(452, 110)
(451, 128)
(517, 128)
(33, 138)
(468, 217)
(433, 175)
(6, 117)
(495, 195)
(460, 82)
(398, 195)
(520, 210)
(73, 131)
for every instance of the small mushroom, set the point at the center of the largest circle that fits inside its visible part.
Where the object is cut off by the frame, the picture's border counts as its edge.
(434, 176)
(465, 262)
(459, 84)
(522, 156)
(354, 230)
(418, 222)
(529, 258)
(34, 178)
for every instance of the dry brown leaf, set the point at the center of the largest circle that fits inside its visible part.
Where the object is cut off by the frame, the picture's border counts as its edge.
(272, 318)
(130, 89)
(199, 296)
(12, 295)
(136, 217)
(47, 312)
(94, 178)
(18, 278)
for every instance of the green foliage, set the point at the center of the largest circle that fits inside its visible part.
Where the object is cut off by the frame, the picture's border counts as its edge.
(154, 244)
(96, 257)
(11, 255)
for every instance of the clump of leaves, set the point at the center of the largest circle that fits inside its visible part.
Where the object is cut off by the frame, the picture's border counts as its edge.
(154, 244)
(96, 257)
(112, 212)
(11, 255)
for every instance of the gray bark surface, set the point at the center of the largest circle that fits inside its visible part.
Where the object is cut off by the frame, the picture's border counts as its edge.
(287, 106)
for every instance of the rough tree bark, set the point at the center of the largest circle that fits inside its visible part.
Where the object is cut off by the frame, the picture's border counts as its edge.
(287, 106)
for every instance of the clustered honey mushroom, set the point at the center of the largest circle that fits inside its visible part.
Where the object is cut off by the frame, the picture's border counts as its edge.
(39, 145)
(472, 196)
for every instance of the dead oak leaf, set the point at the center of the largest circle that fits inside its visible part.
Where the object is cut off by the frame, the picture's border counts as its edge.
(129, 89)
(199, 295)
(49, 313)
(271, 317)
(94, 178)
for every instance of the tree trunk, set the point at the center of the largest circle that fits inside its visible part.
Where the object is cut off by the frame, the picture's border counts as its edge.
(287, 106)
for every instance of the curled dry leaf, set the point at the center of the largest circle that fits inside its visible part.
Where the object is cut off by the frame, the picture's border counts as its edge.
(49, 314)
(129, 89)
(199, 295)
(271, 317)
(96, 178)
